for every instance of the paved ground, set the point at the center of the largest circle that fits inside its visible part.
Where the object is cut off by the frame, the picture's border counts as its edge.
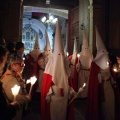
(34, 112)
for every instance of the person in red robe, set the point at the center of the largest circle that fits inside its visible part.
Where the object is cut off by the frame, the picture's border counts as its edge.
(101, 95)
(41, 64)
(32, 57)
(73, 60)
(57, 85)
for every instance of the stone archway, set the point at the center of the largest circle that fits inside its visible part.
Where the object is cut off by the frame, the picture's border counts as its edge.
(38, 25)
(58, 12)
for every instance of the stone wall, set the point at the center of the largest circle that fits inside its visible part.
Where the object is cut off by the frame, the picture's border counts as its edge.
(114, 26)
(74, 28)
(11, 20)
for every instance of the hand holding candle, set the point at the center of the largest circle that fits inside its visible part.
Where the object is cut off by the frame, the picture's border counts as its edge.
(80, 90)
(115, 68)
(15, 91)
(32, 81)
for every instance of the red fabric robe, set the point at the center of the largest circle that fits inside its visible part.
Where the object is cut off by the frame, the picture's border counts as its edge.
(45, 107)
(75, 79)
(92, 98)
(30, 64)
(92, 112)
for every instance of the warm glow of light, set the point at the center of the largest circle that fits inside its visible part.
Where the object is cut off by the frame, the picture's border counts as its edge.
(28, 81)
(51, 18)
(33, 80)
(107, 64)
(84, 85)
(78, 55)
(67, 54)
(43, 19)
(54, 20)
(15, 90)
(47, 21)
(23, 58)
(115, 69)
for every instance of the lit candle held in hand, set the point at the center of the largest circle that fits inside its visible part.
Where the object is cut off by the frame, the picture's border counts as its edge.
(67, 54)
(80, 90)
(32, 81)
(78, 55)
(15, 91)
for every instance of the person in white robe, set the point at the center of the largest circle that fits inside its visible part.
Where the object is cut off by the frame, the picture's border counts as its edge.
(83, 66)
(56, 89)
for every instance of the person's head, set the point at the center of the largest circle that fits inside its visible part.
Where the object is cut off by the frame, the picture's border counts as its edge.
(2, 42)
(47, 48)
(16, 63)
(118, 59)
(48, 53)
(3, 57)
(11, 47)
(20, 47)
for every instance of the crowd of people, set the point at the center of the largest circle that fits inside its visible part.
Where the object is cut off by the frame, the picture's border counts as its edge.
(59, 80)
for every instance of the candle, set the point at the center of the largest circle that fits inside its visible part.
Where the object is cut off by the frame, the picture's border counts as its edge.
(107, 65)
(78, 55)
(23, 58)
(80, 90)
(67, 54)
(15, 91)
(32, 81)
(28, 81)
(115, 69)
(84, 85)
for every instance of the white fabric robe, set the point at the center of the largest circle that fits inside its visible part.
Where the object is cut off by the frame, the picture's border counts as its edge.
(108, 106)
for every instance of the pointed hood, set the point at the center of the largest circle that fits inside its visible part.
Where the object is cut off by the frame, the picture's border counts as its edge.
(58, 46)
(56, 73)
(47, 46)
(85, 41)
(65, 50)
(58, 60)
(75, 45)
(99, 43)
(47, 49)
(75, 51)
(66, 46)
(86, 56)
(36, 51)
(37, 45)
(101, 58)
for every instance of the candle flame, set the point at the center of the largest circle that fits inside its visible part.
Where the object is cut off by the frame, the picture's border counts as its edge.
(15, 90)
(78, 55)
(33, 80)
(23, 58)
(28, 81)
(67, 54)
(114, 69)
(84, 85)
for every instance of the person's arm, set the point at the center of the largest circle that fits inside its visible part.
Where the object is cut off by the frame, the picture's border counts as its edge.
(49, 94)
(72, 93)
(21, 98)
(7, 110)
